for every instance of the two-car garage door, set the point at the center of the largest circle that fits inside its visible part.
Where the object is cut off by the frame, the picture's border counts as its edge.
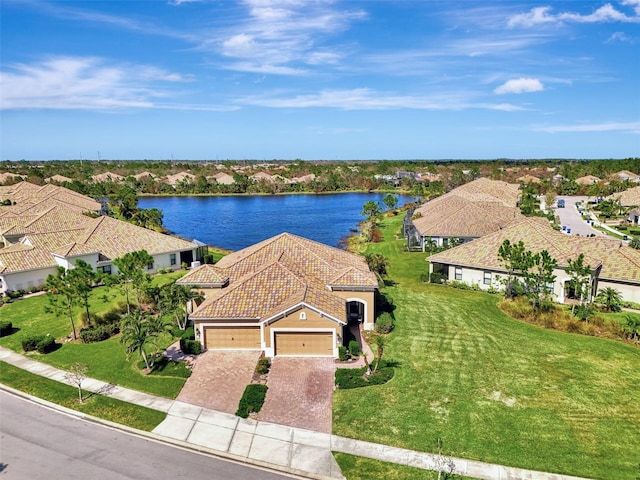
(232, 338)
(304, 343)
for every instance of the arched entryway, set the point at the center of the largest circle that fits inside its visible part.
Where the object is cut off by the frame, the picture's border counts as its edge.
(355, 312)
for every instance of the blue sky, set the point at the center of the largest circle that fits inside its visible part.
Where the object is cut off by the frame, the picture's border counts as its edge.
(262, 79)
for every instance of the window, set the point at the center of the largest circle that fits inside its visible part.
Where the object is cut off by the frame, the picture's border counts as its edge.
(150, 266)
(458, 273)
(172, 259)
(303, 316)
(106, 269)
(549, 287)
(487, 278)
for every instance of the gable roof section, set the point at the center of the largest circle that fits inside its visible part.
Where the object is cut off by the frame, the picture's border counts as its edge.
(617, 262)
(205, 275)
(30, 196)
(302, 256)
(628, 198)
(18, 258)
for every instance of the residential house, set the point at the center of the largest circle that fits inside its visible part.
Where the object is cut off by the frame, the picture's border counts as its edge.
(612, 263)
(529, 179)
(9, 177)
(286, 295)
(625, 175)
(58, 179)
(107, 177)
(222, 178)
(634, 216)
(628, 198)
(184, 177)
(40, 235)
(587, 180)
(467, 212)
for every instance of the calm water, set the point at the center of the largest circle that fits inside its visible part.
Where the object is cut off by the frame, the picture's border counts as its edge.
(239, 221)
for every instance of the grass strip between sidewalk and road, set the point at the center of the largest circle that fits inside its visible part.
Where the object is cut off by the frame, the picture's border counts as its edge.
(99, 406)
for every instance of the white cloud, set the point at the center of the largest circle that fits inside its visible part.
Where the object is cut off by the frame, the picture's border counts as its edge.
(605, 13)
(85, 83)
(182, 2)
(619, 37)
(520, 85)
(628, 127)
(368, 99)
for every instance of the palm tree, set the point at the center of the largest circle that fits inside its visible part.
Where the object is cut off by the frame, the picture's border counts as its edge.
(610, 298)
(177, 300)
(379, 340)
(136, 333)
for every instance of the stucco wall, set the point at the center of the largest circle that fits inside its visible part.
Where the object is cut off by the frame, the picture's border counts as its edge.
(367, 298)
(24, 280)
(630, 293)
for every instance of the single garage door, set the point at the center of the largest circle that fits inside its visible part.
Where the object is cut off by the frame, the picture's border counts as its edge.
(304, 343)
(232, 337)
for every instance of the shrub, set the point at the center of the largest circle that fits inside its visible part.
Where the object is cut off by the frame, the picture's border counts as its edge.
(96, 334)
(342, 353)
(347, 378)
(437, 277)
(30, 343)
(109, 318)
(46, 344)
(5, 328)
(252, 399)
(385, 323)
(33, 289)
(190, 347)
(354, 348)
(188, 334)
(263, 366)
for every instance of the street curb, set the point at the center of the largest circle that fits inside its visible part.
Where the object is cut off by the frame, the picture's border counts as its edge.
(165, 440)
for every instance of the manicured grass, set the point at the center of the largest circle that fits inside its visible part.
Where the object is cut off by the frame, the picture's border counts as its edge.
(494, 388)
(360, 468)
(99, 406)
(106, 360)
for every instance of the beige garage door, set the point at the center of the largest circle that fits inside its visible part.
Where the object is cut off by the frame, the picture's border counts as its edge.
(304, 343)
(232, 337)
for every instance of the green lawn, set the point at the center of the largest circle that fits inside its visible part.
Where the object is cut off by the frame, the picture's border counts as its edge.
(493, 388)
(360, 468)
(96, 405)
(106, 360)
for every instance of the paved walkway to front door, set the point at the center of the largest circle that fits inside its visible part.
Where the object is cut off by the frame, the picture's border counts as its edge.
(300, 393)
(219, 378)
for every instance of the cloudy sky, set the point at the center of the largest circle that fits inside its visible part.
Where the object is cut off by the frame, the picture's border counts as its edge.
(328, 79)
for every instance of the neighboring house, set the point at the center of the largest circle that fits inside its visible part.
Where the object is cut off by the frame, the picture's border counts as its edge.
(286, 295)
(143, 175)
(625, 175)
(10, 177)
(613, 264)
(628, 198)
(30, 198)
(58, 179)
(467, 212)
(634, 216)
(222, 178)
(529, 179)
(304, 178)
(107, 177)
(587, 180)
(261, 176)
(40, 235)
(180, 177)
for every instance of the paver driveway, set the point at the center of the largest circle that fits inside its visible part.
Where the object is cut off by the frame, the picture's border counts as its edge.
(300, 393)
(219, 378)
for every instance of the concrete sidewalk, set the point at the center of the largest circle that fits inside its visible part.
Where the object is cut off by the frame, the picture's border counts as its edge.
(294, 450)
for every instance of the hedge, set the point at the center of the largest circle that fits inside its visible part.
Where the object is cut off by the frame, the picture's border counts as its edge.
(41, 343)
(385, 323)
(6, 328)
(347, 378)
(252, 399)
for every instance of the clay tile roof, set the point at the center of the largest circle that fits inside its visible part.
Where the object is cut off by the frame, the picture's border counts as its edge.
(628, 198)
(587, 180)
(58, 178)
(617, 262)
(205, 275)
(18, 257)
(107, 177)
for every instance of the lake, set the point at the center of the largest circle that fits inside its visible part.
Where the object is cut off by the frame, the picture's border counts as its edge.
(235, 222)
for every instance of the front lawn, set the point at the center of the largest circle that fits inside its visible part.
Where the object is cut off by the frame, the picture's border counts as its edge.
(493, 388)
(106, 360)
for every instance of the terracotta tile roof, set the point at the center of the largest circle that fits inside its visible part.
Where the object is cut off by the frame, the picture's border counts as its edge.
(141, 175)
(587, 180)
(205, 275)
(17, 258)
(529, 179)
(628, 198)
(52, 240)
(107, 177)
(301, 255)
(452, 215)
(8, 176)
(113, 238)
(280, 273)
(618, 262)
(30, 196)
(50, 220)
(58, 178)
(180, 177)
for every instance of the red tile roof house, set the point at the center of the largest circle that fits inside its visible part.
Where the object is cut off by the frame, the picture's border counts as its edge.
(284, 296)
(613, 264)
(467, 212)
(46, 229)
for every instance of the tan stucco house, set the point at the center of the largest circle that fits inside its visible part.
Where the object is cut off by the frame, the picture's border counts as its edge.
(286, 295)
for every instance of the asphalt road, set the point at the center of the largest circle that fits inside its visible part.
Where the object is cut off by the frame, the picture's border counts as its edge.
(570, 217)
(39, 443)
